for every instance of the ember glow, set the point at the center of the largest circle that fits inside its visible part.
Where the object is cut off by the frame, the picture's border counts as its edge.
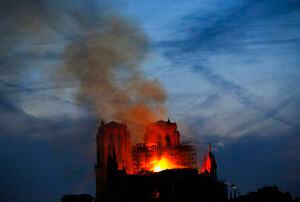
(163, 164)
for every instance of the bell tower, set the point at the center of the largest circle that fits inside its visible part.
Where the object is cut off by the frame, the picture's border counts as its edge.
(111, 138)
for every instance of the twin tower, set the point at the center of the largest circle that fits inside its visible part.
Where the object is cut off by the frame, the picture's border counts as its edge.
(161, 141)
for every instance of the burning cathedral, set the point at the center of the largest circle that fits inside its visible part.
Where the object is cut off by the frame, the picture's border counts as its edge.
(159, 169)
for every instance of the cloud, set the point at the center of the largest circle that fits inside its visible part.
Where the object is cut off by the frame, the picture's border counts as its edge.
(241, 48)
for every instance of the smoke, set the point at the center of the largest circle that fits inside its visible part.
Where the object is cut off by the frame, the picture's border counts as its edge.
(105, 63)
(94, 48)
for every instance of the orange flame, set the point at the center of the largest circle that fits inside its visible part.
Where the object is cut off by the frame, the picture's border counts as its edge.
(163, 163)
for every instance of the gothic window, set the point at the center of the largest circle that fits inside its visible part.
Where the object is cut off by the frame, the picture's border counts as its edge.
(168, 141)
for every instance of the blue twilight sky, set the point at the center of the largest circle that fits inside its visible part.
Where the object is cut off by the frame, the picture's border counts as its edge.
(230, 70)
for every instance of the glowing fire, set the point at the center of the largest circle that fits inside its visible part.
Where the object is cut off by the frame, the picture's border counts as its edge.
(163, 164)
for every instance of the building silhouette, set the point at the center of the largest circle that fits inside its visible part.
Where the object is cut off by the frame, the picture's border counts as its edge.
(159, 169)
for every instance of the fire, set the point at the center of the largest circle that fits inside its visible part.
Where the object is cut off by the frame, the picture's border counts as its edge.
(163, 163)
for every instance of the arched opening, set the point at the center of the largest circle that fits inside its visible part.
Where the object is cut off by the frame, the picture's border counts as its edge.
(168, 141)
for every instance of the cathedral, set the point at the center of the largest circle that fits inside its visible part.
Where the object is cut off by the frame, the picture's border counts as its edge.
(160, 168)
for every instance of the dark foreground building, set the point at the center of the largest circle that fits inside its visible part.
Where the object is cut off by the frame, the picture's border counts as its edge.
(159, 169)
(181, 185)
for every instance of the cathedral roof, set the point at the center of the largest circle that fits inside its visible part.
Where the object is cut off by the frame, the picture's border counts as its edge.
(115, 124)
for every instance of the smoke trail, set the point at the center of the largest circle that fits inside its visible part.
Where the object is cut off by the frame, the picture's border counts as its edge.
(102, 55)
(105, 62)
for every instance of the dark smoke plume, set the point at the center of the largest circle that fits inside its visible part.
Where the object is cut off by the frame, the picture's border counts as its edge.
(101, 54)
(106, 62)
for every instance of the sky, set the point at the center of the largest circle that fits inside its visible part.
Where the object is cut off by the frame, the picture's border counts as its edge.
(229, 70)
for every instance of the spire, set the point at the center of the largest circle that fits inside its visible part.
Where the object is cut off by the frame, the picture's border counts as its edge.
(169, 120)
(209, 165)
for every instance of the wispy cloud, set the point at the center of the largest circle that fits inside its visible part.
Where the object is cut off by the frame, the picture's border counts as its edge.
(258, 40)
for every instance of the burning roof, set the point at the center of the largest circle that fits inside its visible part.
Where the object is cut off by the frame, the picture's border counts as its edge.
(160, 151)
